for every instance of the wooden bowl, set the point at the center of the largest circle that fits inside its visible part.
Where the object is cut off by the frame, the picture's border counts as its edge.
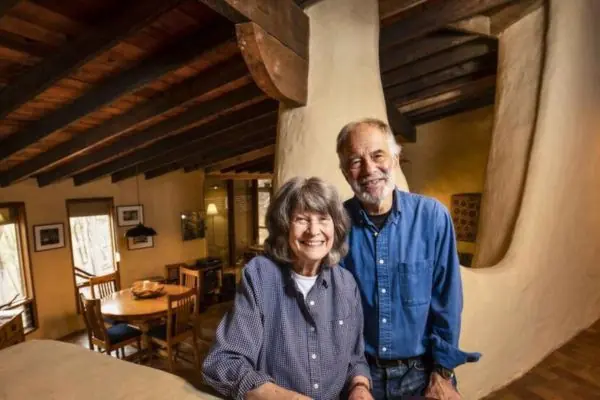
(147, 290)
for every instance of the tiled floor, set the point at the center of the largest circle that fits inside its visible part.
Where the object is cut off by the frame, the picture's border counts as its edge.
(209, 320)
(570, 373)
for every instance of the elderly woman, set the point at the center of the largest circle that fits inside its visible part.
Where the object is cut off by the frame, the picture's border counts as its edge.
(295, 331)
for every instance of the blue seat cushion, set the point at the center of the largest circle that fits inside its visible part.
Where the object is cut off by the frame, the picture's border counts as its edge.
(111, 321)
(158, 332)
(121, 332)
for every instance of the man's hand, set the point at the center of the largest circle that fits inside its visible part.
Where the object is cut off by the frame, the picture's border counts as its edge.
(441, 389)
(360, 393)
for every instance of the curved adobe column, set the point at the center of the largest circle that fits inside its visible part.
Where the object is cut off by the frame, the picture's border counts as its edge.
(344, 84)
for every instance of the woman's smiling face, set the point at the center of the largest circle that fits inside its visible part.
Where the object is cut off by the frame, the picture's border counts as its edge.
(311, 236)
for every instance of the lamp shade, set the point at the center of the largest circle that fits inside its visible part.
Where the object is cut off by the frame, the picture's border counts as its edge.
(140, 230)
(211, 209)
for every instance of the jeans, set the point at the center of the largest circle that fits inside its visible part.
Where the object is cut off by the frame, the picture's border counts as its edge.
(392, 383)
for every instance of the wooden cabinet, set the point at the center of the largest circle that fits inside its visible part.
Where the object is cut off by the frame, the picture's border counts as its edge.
(11, 330)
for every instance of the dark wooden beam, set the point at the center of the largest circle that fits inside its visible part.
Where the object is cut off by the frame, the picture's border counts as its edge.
(479, 67)
(430, 16)
(193, 117)
(390, 9)
(189, 89)
(167, 148)
(453, 108)
(268, 151)
(505, 17)
(231, 221)
(105, 92)
(85, 47)
(6, 5)
(398, 56)
(454, 56)
(277, 70)
(400, 125)
(459, 84)
(242, 176)
(227, 139)
(264, 164)
(197, 160)
(23, 45)
(282, 19)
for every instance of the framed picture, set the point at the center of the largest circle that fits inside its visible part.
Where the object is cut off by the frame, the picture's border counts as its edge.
(465, 215)
(192, 225)
(49, 237)
(140, 242)
(130, 215)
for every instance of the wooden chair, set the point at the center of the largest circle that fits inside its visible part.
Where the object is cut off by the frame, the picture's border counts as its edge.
(179, 326)
(113, 338)
(88, 326)
(192, 279)
(172, 272)
(105, 285)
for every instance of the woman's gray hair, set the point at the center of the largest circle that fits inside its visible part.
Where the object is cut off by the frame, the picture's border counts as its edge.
(342, 137)
(305, 195)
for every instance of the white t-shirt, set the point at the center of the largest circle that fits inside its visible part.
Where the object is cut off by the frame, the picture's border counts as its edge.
(305, 283)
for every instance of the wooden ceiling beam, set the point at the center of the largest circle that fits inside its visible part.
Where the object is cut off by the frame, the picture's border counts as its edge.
(242, 159)
(264, 164)
(389, 9)
(282, 19)
(74, 54)
(400, 125)
(453, 108)
(478, 24)
(430, 16)
(206, 41)
(398, 56)
(23, 45)
(199, 159)
(276, 69)
(6, 5)
(505, 17)
(191, 88)
(445, 59)
(242, 176)
(202, 113)
(179, 143)
(479, 67)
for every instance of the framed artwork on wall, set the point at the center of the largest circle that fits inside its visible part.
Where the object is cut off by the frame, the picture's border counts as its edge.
(465, 215)
(130, 215)
(140, 242)
(49, 237)
(192, 225)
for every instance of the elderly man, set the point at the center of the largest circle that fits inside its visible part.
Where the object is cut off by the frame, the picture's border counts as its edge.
(403, 256)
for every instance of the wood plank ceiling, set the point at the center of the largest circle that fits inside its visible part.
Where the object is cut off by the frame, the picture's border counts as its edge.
(92, 88)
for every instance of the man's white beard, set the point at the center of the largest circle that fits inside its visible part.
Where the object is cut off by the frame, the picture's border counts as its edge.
(366, 197)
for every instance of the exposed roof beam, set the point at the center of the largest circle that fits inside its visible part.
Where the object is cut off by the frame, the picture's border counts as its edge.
(453, 108)
(282, 19)
(477, 24)
(264, 164)
(478, 67)
(510, 14)
(398, 56)
(203, 113)
(206, 41)
(21, 44)
(241, 159)
(431, 16)
(6, 5)
(85, 47)
(228, 139)
(242, 176)
(388, 9)
(189, 89)
(454, 56)
(399, 124)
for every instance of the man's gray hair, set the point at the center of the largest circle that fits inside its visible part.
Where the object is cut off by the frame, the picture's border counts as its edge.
(305, 195)
(342, 137)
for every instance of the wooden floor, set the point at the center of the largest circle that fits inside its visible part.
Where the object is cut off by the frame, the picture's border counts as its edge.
(570, 373)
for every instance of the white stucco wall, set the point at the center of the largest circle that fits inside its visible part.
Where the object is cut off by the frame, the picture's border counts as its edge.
(547, 287)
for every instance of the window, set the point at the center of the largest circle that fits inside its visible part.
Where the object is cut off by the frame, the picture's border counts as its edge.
(16, 287)
(92, 240)
(264, 199)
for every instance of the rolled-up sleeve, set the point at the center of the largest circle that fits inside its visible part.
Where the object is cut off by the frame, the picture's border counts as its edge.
(358, 364)
(231, 365)
(447, 300)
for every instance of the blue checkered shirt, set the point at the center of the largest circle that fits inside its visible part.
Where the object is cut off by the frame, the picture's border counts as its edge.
(313, 346)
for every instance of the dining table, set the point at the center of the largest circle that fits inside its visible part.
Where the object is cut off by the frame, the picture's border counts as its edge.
(124, 306)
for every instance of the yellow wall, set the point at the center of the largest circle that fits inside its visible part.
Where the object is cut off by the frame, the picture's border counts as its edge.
(216, 226)
(163, 199)
(450, 155)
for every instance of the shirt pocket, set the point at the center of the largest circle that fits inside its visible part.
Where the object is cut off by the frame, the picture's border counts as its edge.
(339, 332)
(416, 282)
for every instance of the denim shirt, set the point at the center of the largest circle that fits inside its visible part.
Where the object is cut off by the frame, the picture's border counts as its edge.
(311, 345)
(408, 275)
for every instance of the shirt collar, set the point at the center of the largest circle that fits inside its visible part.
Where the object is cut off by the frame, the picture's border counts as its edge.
(323, 278)
(358, 213)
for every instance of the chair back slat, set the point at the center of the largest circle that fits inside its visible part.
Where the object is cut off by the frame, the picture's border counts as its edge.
(93, 313)
(180, 312)
(102, 286)
(192, 278)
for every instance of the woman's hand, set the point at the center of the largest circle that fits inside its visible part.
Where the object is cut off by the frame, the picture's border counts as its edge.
(360, 393)
(441, 389)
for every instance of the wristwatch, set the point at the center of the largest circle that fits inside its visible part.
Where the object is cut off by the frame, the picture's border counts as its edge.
(444, 372)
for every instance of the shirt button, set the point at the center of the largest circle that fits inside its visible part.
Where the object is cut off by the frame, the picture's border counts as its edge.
(381, 261)
(382, 290)
(376, 233)
(314, 356)
(316, 385)
(384, 320)
(383, 349)
(341, 322)
(312, 328)
(312, 303)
